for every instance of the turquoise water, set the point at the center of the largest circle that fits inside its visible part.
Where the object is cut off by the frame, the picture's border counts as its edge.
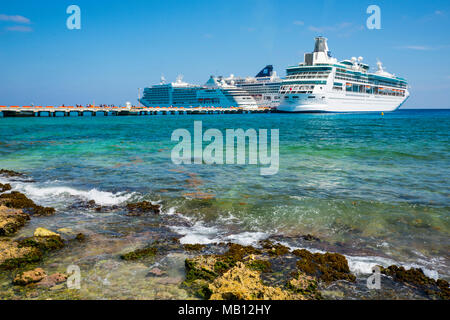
(373, 187)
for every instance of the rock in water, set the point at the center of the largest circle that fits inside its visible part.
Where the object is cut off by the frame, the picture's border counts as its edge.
(327, 267)
(241, 283)
(42, 232)
(416, 278)
(28, 277)
(11, 220)
(43, 239)
(18, 200)
(5, 187)
(140, 208)
(13, 255)
(10, 173)
(52, 280)
(156, 272)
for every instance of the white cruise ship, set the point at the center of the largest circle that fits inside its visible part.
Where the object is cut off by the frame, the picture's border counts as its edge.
(264, 87)
(215, 93)
(322, 84)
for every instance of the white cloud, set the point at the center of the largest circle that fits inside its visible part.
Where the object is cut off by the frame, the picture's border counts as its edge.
(423, 48)
(419, 48)
(343, 29)
(19, 29)
(16, 19)
(299, 23)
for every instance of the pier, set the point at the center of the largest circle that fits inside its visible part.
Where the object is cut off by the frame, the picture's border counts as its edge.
(71, 111)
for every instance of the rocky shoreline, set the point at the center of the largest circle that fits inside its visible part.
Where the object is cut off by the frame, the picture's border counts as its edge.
(219, 271)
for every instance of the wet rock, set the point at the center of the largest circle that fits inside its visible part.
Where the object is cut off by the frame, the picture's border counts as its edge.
(80, 237)
(193, 247)
(140, 254)
(203, 272)
(52, 280)
(10, 173)
(241, 283)
(305, 285)
(18, 200)
(28, 277)
(66, 231)
(43, 239)
(310, 237)
(274, 249)
(327, 267)
(42, 232)
(156, 272)
(13, 255)
(91, 203)
(201, 268)
(208, 267)
(260, 265)
(11, 220)
(416, 278)
(5, 187)
(143, 207)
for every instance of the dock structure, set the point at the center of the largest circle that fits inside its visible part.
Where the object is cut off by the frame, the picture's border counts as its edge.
(68, 111)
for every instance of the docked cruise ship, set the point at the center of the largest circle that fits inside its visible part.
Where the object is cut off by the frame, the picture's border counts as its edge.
(322, 84)
(264, 87)
(214, 93)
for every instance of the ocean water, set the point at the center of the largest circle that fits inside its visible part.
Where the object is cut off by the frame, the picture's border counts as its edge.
(375, 188)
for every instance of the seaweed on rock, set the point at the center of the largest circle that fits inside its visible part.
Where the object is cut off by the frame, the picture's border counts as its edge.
(327, 267)
(18, 200)
(416, 278)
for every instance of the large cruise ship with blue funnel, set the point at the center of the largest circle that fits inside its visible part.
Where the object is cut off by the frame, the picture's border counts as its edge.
(322, 84)
(214, 93)
(264, 87)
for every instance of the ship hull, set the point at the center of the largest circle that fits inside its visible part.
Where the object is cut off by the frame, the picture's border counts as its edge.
(336, 104)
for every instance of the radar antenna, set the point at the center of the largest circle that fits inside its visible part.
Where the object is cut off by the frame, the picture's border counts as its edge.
(179, 78)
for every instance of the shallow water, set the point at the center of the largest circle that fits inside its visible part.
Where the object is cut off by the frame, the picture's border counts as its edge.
(372, 187)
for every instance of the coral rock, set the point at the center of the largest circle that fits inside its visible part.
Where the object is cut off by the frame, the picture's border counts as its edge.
(28, 277)
(52, 280)
(11, 220)
(42, 232)
(241, 283)
(12, 255)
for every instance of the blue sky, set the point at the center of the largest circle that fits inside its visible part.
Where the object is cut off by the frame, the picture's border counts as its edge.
(124, 45)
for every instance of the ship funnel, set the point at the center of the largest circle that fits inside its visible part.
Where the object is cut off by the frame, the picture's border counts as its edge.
(321, 45)
(267, 71)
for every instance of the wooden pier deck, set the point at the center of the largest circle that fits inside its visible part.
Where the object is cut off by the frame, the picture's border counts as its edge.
(66, 111)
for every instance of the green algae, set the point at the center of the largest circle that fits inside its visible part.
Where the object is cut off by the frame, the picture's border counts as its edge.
(304, 285)
(140, 254)
(193, 247)
(45, 244)
(260, 265)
